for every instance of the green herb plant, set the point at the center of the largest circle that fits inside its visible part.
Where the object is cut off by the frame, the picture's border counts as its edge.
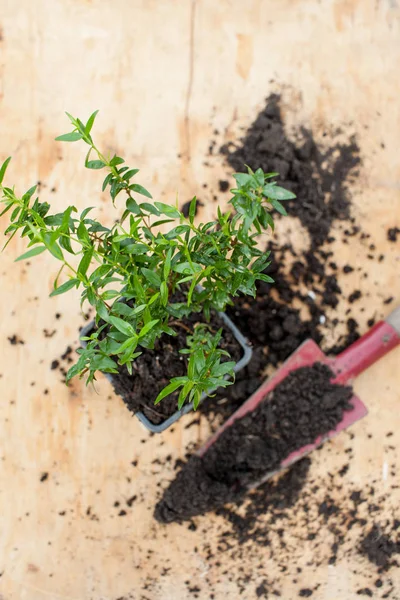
(131, 272)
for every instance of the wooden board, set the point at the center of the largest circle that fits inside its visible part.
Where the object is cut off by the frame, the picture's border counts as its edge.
(164, 76)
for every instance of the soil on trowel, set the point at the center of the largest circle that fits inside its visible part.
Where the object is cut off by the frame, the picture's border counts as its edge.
(303, 406)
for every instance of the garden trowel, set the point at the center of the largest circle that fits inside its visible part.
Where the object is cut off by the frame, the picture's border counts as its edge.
(377, 342)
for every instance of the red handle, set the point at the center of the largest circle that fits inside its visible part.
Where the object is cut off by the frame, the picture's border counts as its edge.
(382, 338)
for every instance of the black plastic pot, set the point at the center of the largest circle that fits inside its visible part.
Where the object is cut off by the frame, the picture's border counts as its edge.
(247, 352)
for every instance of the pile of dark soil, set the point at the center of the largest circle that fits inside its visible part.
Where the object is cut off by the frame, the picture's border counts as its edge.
(303, 406)
(379, 547)
(318, 178)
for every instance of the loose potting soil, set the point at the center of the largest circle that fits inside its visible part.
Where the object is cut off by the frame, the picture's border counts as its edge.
(303, 406)
(153, 369)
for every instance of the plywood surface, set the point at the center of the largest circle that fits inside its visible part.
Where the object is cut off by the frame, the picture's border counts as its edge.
(164, 76)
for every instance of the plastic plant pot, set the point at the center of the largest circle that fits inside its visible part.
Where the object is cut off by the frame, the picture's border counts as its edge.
(247, 353)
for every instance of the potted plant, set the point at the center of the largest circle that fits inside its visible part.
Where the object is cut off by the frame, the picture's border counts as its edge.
(158, 282)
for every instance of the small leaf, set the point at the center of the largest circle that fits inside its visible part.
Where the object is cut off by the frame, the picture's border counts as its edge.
(101, 310)
(33, 252)
(164, 293)
(242, 178)
(145, 330)
(129, 174)
(135, 187)
(152, 277)
(192, 209)
(4, 168)
(169, 389)
(150, 208)
(264, 277)
(167, 264)
(107, 181)
(139, 309)
(278, 193)
(104, 363)
(117, 160)
(136, 249)
(85, 262)
(133, 206)
(65, 287)
(86, 211)
(187, 268)
(259, 176)
(95, 164)
(82, 233)
(279, 207)
(122, 326)
(168, 210)
(74, 136)
(90, 122)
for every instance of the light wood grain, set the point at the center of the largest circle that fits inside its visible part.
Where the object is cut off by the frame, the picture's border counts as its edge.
(165, 75)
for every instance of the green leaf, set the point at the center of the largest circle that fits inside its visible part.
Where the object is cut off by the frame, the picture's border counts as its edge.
(85, 262)
(86, 211)
(187, 268)
(152, 277)
(224, 369)
(28, 195)
(164, 293)
(133, 206)
(101, 310)
(74, 136)
(196, 398)
(4, 168)
(106, 181)
(82, 233)
(33, 252)
(116, 160)
(192, 209)
(129, 174)
(145, 330)
(135, 187)
(184, 393)
(278, 193)
(136, 249)
(129, 343)
(259, 176)
(167, 264)
(90, 122)
(242, 178)
(139, 309)
(104, 363)
(169, 389)
(54, 248)
(166, 209)
(177, 231)
(65, 287)
(109, 294)
(279, 207)
(122, 326)
(264, 277)
(95, 164)
(150, 208)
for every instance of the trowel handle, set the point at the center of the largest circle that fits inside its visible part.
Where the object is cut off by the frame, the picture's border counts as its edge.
(379, 340)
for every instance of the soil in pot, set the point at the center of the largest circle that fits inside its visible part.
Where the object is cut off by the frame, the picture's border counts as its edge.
(153, 369)
(303, 406)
